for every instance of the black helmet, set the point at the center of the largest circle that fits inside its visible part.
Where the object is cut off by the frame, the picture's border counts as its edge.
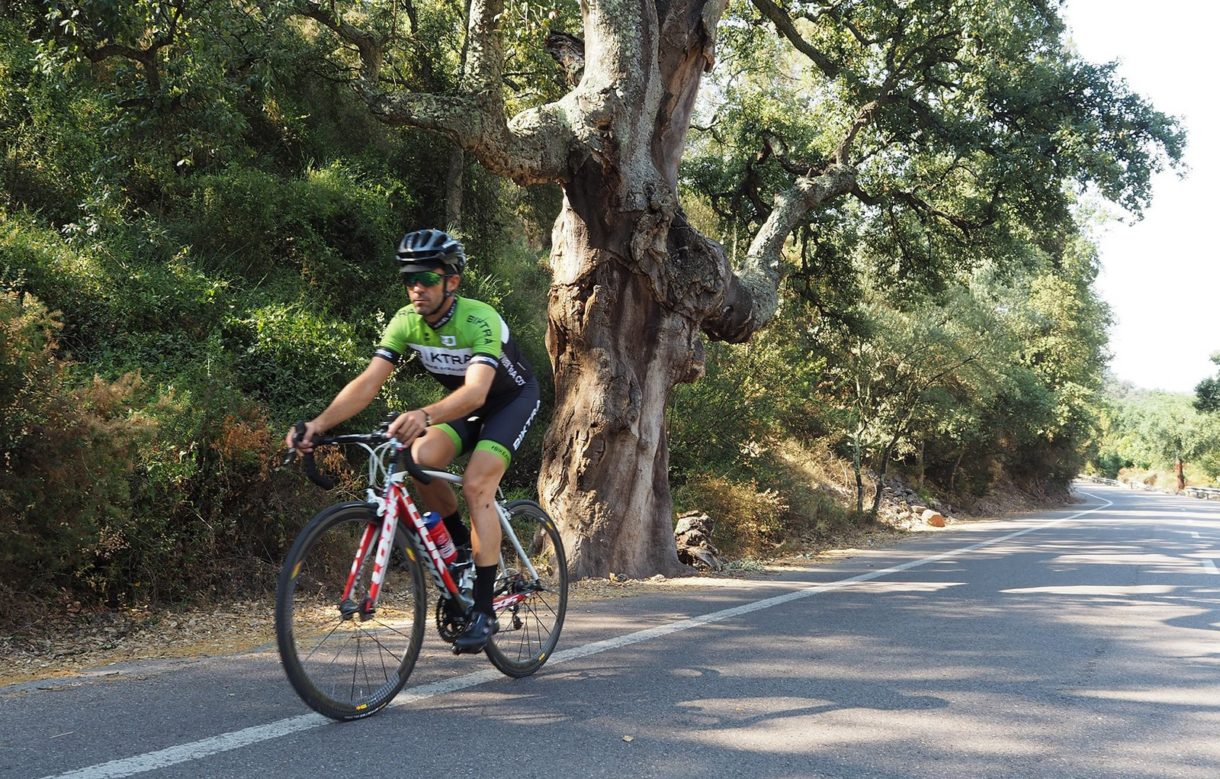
(425, 249)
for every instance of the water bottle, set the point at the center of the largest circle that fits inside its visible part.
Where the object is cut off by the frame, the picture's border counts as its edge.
(440, 536)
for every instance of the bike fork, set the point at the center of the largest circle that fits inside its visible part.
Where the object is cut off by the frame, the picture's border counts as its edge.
(366, 608)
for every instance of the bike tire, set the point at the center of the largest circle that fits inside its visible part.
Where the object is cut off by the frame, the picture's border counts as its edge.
(530, 613)
(343, 666)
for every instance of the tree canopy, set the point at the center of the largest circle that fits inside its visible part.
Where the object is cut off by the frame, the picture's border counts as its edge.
(747, 229)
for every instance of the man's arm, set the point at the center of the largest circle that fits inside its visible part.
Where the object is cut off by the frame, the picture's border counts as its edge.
(457, 404)
(350, 401)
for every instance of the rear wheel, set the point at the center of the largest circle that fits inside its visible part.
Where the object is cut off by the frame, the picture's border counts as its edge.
(530, 610)
(346, 661)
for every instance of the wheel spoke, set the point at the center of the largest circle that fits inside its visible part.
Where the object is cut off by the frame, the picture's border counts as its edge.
(538, 606)
(346, 668)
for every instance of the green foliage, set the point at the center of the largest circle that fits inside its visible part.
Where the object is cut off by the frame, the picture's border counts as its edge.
(216, 245)
(716, 423)
(67, 458)
(331, 226)
(967, 128)
(1151, 430)
(1207, 392)
(994, 377)
(295, 359)
(114, 288)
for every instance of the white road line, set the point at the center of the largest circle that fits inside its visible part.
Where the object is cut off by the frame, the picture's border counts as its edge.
(225, 742)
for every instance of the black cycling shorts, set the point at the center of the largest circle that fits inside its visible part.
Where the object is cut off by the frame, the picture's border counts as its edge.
(499, 426)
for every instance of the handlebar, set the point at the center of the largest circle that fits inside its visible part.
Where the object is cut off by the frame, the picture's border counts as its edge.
(403, 460)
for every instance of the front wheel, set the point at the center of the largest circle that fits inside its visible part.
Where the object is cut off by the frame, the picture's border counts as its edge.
(345, 660)
(530, 610)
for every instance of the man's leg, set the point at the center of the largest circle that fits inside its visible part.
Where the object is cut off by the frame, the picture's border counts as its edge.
(480, 482)
(435, 449)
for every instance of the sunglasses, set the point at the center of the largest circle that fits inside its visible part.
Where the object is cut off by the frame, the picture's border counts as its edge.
(426, 277)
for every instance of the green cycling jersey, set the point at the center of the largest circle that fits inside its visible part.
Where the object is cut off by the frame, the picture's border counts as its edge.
(470, 332)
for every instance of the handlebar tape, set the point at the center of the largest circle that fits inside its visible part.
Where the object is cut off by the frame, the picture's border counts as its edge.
(307, 462)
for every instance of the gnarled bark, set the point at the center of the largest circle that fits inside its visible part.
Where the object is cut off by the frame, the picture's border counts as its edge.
(633, 283)
(617, 355)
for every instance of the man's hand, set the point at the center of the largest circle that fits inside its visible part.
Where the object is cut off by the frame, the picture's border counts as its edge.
(410, 425)
(305, 445)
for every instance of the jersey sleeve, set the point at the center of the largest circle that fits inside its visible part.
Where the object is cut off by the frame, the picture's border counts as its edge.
(394, 339)
(488, 333)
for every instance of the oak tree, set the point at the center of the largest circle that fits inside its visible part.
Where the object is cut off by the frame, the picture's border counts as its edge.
(938, 121)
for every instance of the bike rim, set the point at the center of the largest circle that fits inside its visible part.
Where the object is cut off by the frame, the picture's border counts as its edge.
(343, 660)
(530, 613)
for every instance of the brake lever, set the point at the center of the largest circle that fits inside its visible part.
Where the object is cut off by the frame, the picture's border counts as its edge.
(298, 430)
(307, 462)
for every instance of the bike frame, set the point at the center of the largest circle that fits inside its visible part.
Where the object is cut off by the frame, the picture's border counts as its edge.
(397, 502)
(394, 504)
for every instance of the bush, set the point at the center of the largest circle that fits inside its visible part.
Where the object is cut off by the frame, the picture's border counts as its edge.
(296, 359)
(749, 521)
(173, 494)
(56, 438)
(36, 259)
(334, 228)
(120, 310)
(210, 511)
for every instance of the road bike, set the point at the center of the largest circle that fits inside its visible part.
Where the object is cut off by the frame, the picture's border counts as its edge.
(351, 604)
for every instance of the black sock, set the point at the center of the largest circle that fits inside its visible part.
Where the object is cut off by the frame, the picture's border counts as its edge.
(484, 583)
(457, 529)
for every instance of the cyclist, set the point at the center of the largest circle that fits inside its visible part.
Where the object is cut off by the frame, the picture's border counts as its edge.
(492, 400)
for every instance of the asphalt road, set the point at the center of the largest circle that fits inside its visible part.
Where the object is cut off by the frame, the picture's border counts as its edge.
(1076, 643)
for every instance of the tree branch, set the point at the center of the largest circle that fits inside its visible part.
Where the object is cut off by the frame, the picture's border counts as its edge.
(146, 57)
(753, 294)
(369, 45)
(532, 148)
(835, 12)
(783, 24)
(864, 118)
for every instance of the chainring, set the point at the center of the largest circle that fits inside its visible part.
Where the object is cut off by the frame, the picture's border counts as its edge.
(449, 624)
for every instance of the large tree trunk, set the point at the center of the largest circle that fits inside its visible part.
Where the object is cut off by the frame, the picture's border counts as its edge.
(633, 288)
(617, 354)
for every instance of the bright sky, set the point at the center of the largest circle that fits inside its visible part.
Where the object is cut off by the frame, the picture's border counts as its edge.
(1161, 276)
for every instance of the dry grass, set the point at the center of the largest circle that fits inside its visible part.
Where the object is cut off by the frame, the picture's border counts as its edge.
(63, 644)
(66, 644)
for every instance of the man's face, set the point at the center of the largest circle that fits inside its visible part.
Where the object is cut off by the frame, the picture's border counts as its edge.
(426, 289)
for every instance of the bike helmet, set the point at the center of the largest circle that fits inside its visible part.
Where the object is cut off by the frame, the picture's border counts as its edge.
(425, 249)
